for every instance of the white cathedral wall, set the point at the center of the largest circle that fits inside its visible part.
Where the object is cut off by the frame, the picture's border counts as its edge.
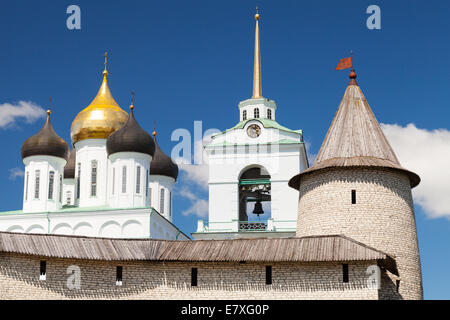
(45, 165)
(68, 196)
(122, 223)
(87, 151)
(161, 228)
(24, 222)
(108, 223)
(132, 194)
(157, 185)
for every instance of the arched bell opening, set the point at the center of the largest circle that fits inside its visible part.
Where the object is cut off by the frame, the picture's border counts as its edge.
(254, 199)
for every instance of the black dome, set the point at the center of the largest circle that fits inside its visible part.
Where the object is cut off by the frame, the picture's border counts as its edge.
(69, 168)
(130, 138)
(45, 143)
(162, 164)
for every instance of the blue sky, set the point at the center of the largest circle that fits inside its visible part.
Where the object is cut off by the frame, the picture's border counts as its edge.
(192, 60)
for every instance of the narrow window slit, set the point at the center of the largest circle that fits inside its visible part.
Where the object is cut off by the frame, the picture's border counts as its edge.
(43, 270)
(353, 196)
(268, 275)
(345, 273)
(194, 273)
(119, 271)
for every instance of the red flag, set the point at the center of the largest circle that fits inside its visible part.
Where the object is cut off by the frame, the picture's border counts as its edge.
(344, 64)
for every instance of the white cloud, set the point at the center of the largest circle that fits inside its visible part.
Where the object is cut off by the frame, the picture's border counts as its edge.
(194, 179)
(426, 153)
(29, 111)
(15, 172)
(197, 174)
(199, 207)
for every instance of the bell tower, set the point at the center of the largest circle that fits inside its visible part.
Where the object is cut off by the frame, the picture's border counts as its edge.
(249, 169)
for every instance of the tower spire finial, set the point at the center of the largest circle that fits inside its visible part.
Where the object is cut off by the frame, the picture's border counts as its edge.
(257, 88)
(154, 128)
(352, 74)
(105, 72)
(132, 100)
(49, 111)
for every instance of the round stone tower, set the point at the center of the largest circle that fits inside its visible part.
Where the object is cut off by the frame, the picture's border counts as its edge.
(358, 188)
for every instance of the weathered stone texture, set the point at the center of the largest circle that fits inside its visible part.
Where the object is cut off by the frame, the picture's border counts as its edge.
(383, 217)
(19, 279)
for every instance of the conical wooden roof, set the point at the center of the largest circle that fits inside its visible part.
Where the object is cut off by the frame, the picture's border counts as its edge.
(355, 139)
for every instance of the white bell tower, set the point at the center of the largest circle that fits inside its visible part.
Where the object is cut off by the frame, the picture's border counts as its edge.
(249, 169)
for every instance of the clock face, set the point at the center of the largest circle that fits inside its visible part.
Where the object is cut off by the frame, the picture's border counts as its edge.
(253, 131)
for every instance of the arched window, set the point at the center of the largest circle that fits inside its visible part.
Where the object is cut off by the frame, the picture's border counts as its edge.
(60, 187)
(93, 178)
(114, 180)
(68, 197)
(138, 179)
(244, 115)
(254, 196)
(51, 182)
(27, 177)
(78, 180)
(124, 179)
(256, 113)
(146, 184)
(269, 114)
(161, 202)
(170, 204)
(37, 179)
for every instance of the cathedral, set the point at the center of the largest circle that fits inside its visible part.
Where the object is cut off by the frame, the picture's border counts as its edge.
(97, 220)
(104, 185)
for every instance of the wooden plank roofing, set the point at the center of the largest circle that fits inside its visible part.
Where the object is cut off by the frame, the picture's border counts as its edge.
(355, 139)
(334, 248)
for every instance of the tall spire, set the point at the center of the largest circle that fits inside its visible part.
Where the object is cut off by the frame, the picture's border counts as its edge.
(257, 88)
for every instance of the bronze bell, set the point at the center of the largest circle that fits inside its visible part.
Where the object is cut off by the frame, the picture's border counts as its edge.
(258, 208)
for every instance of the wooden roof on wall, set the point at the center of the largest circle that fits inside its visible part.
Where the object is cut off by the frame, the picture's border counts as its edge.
(334, 248)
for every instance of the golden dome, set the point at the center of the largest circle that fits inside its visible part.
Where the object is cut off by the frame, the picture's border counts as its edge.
(101, 118)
